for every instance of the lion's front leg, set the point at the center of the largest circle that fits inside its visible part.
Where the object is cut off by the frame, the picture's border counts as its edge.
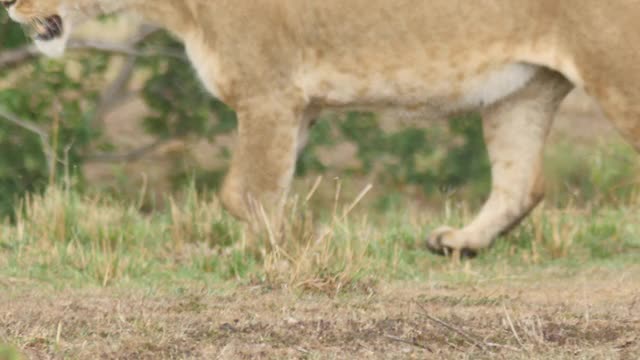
(264, 156)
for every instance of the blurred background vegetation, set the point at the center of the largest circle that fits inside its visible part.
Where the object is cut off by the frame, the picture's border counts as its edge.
(125, 111)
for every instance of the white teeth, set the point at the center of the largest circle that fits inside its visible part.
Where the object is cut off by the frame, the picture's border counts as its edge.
(40, 28)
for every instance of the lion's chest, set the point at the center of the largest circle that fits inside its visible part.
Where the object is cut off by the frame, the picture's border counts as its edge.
(205, 61)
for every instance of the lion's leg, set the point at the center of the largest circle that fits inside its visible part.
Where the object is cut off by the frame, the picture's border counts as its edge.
(515, 131)
(264, 155)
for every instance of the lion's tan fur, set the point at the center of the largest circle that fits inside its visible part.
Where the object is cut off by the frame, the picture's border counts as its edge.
(277, 62)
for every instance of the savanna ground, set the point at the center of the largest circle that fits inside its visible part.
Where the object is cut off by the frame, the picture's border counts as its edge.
(88, 275)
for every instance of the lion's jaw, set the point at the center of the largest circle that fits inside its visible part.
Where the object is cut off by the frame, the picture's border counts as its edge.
(52, 29)
(55, 48)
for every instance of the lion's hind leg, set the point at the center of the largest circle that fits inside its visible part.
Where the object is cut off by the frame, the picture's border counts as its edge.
(515, 130)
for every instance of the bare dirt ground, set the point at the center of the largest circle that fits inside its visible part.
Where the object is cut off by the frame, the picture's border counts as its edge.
(593, 315)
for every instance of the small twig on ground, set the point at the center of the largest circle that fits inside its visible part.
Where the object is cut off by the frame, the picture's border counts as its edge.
(502, 346)
(470, 338)
(409, 342)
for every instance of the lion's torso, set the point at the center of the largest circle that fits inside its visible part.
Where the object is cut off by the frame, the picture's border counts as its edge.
(436, 55)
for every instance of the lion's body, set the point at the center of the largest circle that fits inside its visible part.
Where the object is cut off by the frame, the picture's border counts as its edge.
(405, 53)
(277, 62)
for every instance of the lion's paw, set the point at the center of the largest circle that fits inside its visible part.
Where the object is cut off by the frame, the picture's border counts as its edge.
(446, 240)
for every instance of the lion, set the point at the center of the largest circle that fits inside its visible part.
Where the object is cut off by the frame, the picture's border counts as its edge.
(278, 63)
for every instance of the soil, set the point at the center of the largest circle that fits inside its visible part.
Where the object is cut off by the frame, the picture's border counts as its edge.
(592, 315)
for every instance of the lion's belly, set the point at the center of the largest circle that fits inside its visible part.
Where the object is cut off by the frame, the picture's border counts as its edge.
(448, 90)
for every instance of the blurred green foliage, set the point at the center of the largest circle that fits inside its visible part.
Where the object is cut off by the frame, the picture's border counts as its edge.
(411, 156)
(48, 98)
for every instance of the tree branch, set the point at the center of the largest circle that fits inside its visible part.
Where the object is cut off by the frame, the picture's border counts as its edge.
(115, 92)
(13, 57)
(32, 127)
(130, 156)
(25, 124)
(16, 56)
(124, 49)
